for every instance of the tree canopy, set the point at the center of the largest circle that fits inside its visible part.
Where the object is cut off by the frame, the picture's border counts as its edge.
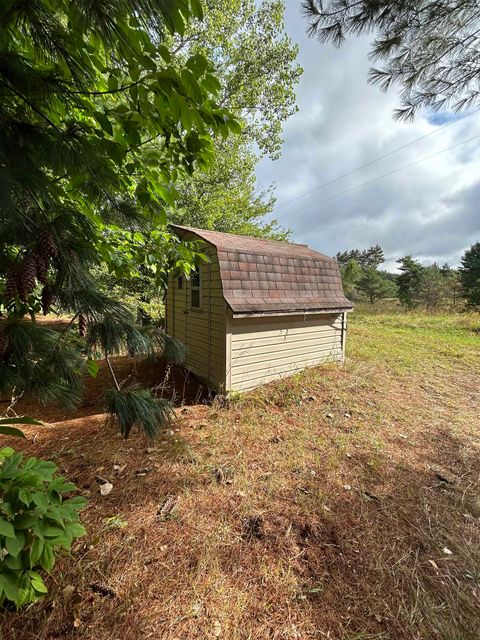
(98, 124)
(428, 49)
(255, 61)
(470, 275)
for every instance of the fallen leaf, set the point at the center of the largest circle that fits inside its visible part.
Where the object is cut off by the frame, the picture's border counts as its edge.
(106, 488)
(217, 629)
(447, 551)
(68, 591)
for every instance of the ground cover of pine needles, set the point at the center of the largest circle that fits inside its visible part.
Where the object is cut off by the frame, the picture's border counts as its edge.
(341, 503)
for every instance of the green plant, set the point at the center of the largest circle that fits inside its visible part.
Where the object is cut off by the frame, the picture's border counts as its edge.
(35, 522)
(7, 429)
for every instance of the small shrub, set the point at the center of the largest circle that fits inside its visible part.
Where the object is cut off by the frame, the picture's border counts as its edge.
(35, 522)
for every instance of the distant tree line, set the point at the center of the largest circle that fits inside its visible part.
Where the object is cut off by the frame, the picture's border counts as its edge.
(417, 285)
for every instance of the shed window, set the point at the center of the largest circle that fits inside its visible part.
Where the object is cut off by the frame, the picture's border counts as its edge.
(195, 286)
(180, 282)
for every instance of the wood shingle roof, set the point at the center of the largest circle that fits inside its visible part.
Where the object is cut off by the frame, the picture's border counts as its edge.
(267, 276)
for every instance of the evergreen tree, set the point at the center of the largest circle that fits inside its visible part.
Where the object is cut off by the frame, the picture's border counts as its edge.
(430, 49)
(97, 125)
(452, 284)
(375, 285)
(351, 274)
(366, 258)
(470, 275)
(409, 281)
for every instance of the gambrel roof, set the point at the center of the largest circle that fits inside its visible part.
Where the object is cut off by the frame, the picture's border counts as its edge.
(267, 276)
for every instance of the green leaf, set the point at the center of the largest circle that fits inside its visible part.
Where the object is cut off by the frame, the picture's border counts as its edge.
(92, 367)
(7, 452)
(36, 551)
(6, 529)
(20, 420)
(103, 121)
(11, 585)
(197, 8)
(25, 496)
(15, 545)
(165, 53)
(47, 559)
(37, 582)
(12, 431)
(41, 500)
(25, 521)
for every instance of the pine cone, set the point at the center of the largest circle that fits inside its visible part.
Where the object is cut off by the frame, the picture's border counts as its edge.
(82, 325)
(46, 245)
(3, 339)
(11, 285)
(47, 297)
(29, 274)
(42, 265)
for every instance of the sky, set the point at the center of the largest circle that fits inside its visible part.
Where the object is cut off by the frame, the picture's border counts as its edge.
(429, 210)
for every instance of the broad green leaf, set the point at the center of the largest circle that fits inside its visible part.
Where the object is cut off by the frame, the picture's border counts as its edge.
(47, 559)
(197, 9)
(12, 431)
(37, 582)
(103, 121)
(20, 420)
(6, 529)
(36, 551)
(16, 544)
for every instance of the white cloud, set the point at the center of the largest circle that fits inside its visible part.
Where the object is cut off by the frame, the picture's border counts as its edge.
(429, 209)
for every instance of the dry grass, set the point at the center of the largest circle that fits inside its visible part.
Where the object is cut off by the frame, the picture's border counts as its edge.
(316, 507)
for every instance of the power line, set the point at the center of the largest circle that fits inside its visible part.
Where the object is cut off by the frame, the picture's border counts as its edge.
(384, 175)
(375, 160)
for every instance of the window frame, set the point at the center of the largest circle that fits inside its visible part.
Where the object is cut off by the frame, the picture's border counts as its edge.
(196, 287)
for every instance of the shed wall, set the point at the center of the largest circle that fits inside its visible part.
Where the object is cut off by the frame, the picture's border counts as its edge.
(201, 330)
(265, 348)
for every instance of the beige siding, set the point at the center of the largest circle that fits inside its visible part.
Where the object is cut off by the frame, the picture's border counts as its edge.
(266, 348)
(201, 330)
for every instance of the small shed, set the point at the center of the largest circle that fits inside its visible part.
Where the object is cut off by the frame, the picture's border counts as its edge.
(257, 311)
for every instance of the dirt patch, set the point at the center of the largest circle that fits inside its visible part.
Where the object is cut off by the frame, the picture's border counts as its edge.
(166, 381)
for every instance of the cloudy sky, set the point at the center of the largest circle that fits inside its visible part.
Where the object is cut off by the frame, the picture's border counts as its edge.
(430, 209)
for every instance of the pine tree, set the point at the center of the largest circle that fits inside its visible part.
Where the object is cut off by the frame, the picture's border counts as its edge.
(429, 49)
(84, 87)
(409, 281)
(470, 275)
(375, 285)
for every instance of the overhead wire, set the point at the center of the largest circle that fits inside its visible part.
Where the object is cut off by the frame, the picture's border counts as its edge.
(384, 175)
(375, 160)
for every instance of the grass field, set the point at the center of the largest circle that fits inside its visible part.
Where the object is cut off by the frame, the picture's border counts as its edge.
(342, 503)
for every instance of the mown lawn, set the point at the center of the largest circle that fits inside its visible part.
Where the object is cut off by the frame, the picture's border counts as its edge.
(342, 503)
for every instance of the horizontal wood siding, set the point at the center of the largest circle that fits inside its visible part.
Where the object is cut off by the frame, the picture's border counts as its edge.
(263, 349)
(204, 328)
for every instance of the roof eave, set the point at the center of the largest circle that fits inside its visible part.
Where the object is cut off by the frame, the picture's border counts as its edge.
(293, 312)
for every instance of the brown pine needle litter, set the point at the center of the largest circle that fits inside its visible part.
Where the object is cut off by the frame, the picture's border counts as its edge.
(351, 511)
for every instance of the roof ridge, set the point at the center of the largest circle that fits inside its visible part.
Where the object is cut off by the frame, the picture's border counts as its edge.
(281, 244)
